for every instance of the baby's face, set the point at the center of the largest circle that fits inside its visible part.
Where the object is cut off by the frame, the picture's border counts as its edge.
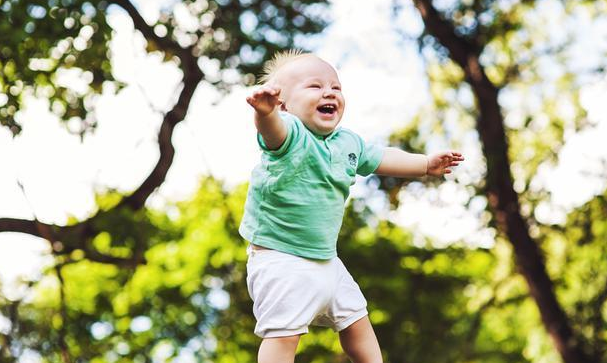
(310, 90)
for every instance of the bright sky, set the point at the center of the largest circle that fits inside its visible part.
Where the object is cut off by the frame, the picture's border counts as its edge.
(384, 86)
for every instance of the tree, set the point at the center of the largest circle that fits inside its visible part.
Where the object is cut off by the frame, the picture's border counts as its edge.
(479, 45)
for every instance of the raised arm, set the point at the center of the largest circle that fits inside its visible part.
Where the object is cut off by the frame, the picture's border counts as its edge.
(266, 103)
(401, 164)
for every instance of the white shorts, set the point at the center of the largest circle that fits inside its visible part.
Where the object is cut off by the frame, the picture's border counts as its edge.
(290, 293)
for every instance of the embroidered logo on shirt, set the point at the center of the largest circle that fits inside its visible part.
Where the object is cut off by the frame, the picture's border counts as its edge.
(352, 159)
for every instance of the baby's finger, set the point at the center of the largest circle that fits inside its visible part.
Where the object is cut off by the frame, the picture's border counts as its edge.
(274, 91)
(265, 92)
(256, 95)
(457, 156)
(453, 160)
(270, 91)
(447, 159)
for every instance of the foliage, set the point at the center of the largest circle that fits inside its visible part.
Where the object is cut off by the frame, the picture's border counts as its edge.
(39, 40)
(463, 305)
(420, 300)
(577, 257)
(169, 306)
(42, 41)
(453, 302)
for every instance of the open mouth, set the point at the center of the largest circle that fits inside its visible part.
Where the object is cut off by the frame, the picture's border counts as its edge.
(328, 109)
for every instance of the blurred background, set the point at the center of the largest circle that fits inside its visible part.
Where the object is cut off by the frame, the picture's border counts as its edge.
(126, 145)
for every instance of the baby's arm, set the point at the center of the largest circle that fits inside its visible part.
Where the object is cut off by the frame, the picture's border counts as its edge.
(269, 124)
(399, 163)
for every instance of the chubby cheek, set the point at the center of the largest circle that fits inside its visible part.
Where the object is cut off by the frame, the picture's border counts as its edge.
(342, 109)
(310, 108)
(339, 97)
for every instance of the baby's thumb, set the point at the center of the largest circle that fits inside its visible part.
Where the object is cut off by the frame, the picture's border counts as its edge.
(253, 102)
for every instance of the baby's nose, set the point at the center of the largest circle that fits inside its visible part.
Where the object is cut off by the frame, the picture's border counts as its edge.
(329, 93)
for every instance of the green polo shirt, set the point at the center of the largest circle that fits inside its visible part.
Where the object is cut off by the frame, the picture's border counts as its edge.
(296, 198)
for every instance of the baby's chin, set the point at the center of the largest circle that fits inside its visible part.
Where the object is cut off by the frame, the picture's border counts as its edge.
(327, 131)
(322, 128)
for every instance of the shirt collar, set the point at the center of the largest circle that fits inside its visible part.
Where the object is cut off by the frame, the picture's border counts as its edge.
(316, 136)
(322, 137)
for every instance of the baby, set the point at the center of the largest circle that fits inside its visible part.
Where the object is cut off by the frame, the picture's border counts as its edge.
(295, 206)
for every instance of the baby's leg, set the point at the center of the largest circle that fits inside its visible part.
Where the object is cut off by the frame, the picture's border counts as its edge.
(278, 350)
(359, 342)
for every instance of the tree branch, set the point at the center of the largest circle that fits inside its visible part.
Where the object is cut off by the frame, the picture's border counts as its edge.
(148, 31)
(13, 315)
(65, 353)
(82, 232)
(192, 75)
(20, 226)
(598, 323)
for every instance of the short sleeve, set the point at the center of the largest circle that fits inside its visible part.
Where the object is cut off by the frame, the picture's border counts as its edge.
(370, 158)
(291, 135)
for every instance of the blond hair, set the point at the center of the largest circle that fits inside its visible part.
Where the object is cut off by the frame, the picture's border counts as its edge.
(278, 61)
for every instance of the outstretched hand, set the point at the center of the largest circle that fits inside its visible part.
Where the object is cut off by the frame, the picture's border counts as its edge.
(265, 100)
(440, 163)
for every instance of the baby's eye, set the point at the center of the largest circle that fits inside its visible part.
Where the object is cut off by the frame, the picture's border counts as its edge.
(337, 88)
(314, 85)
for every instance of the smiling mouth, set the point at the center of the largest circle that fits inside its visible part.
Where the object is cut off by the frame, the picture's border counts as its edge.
(327, 109)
